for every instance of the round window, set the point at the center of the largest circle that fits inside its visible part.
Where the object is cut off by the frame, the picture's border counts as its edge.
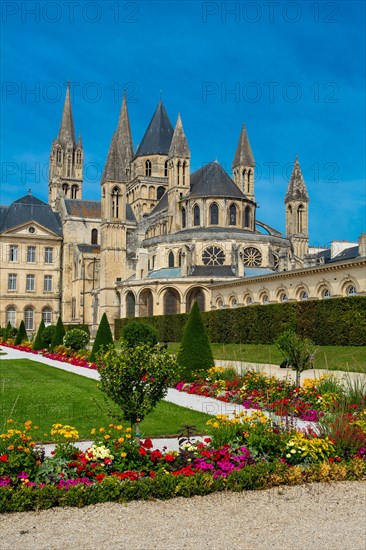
(213, 255)
(252, 257)
(31, 230)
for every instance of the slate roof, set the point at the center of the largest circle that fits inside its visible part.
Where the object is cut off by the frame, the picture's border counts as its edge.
(212, 181)
(30, 209)
(89, 248)
(165, 273)
(163, 203)
(243, 154)
(158, 136)
(296, 188)
(257, 271)
(179, 146)
(212, 271)
(348, 254)
(92, 209)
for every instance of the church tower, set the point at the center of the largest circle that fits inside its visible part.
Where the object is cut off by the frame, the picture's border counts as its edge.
(66, 160)
(243, 165)
(297, 212)
(178, 174)
(116, 175)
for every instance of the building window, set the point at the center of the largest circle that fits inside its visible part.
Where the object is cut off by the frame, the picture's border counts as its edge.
(180, 258)
(73, 308)
(160, 192)
(48, 255)
(283, 297)
(11, 316)
(28, 318)
(115, 202)
(232, 215)
(265, 299)
(184, 220)
(74, 192)
(31, 254)
(178, 172)
(196, 215)
(58, 155)
(94, 236)
(304, 295)
(148, 168)
(65, 189)
(213, 255)
(252, 257)
(78, 157)
(214, 214)
(351, 291)
(326, 293)
(247, 217)
(184, 173)
(166, 169)
(171, 259)
(47, 283)
(13, 253)
(29, 287)
(12, 281)
(130, 305)
(47, 316)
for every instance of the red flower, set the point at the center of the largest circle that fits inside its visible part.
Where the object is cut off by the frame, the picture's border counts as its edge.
(4, 458)
(169, 458)
(100, 477)
(142, 451)
(147, 444)
(152, 474)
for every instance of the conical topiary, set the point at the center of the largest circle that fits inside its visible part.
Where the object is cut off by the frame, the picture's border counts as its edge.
(22, 334)
(195, 351)
(58, 336)
(103, 337)
(38, 342)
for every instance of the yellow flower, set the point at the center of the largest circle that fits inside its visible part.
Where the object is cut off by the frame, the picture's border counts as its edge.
(107, 436)
(119, 427)
(128, 429)
(11, 447)
(128, 436)
(101, 430)
(123, 455)
(92, 431)
(121, 439)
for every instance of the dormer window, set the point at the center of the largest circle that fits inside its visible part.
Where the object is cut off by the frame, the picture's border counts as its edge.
(148, 168)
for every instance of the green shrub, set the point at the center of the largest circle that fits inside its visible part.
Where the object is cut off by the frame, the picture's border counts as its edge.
(195, 352)
(138, 332)
(58, 335)
(299, 352)
(76, 339)
(22, 334)
(47, 335)
(83, 327)
(103, 337)
(38, 343)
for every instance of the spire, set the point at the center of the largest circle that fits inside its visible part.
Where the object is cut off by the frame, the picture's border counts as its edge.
(111, 170)
(179, 146)
(124, 137)
(296, 190)
(158, 136)
(67, 123)
(243, 155)
(80, 142)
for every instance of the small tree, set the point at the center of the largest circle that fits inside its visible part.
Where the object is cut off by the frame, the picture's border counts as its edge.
(10, 331)
(76, 339)
(103, 337)
(58, 335)
(298, 351)
(138, 332)
(195, 351)
(22, 334)
(136, 378)
(47, 335)
(38, 342)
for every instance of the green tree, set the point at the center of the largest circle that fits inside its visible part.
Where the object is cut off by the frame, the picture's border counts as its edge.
(194, 353)
(136, 378)
(58, 335)
(138, 332)
(298, 351)
(103, 337)
(22, 334)
(76, 339)
(38, 342)
(47, 335)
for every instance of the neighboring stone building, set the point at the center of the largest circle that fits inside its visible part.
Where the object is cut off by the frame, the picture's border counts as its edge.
(160, 236)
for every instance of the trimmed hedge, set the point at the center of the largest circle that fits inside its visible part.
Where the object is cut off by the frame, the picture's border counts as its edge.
(333, 322)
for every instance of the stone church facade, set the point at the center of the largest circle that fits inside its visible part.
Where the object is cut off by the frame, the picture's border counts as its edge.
(159, 237)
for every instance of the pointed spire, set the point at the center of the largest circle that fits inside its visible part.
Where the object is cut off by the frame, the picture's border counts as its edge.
(67, 123)
(158, 136)
(179, 146)
(124, 137)
(296, 190)
(111, 171)
(80, 142)
(243, 155)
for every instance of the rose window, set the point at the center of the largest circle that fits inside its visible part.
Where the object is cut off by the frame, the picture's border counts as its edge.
(252, 257)
(213, 255)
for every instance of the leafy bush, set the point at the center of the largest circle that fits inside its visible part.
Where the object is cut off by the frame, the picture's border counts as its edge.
(47, 335)
(195, 352)
(76, 339)
(21, 335)
(58, 336)
(103, 337)
(138, 332)
(38, 343)
(298, 351)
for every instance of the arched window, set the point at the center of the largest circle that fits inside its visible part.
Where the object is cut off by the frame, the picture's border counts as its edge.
(326, 293)
(78, 157)
(196, 295)
(232, 215)
(178, 171)
(94, 236)
(303, 295)
(160, 192)
(184, 220)
(180, 258)
(58, 155)
(265, 299)
(29, 318)
(171, 302)
(146, 305)
(283, 297)
(47, 316)
(300, 219)
(214, 214)
(243, 179)
(166, 169)
(171, 259)
(184, 173)
(65, 189)
(196, 215)
(74, 192)
(248, 180)
(247, 216)
(148, 168)
(11, 316)
(351, 291)
(115, 202)
(130, 304)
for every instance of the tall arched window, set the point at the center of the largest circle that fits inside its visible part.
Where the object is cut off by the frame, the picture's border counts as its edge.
(65, 189)
(196, 215)
(29, 318)
(58, 155)
(300, 219)
(351, 291)
(178, 171)
(47, 316)
(248, 180)
(160, 192)
(94, 236)
(247, 217)
(148, 168)
(243, 179)
(184, 220)
(166, 169)
(74, 192)
(171, 259)
(171, 302)
(232, 215)
(180, 258)
(184, 173)
(214, 214)
(115, 202)
(11, 316)
(130, 304)
(78, 157)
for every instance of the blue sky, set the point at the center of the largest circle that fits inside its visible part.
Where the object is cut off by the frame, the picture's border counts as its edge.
(294, 72)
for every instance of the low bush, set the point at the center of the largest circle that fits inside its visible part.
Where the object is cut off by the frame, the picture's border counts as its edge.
(137, 333)
(76, 339)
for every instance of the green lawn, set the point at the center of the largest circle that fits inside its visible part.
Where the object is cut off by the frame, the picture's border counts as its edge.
(46, 395)
(351, 358)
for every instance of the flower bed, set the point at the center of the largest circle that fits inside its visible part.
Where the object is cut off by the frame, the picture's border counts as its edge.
(61, 354)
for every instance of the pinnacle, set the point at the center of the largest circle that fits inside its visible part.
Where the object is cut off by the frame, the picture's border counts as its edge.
(179, 146)
(296, 188)
(243, 154)
(67, 131)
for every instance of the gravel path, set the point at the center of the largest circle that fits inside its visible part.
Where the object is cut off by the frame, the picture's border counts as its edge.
(315, 517)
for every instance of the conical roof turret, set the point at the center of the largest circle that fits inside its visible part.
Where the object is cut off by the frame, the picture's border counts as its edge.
(179, 145)
(296, 190)
(243, 154)
(158, 136)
